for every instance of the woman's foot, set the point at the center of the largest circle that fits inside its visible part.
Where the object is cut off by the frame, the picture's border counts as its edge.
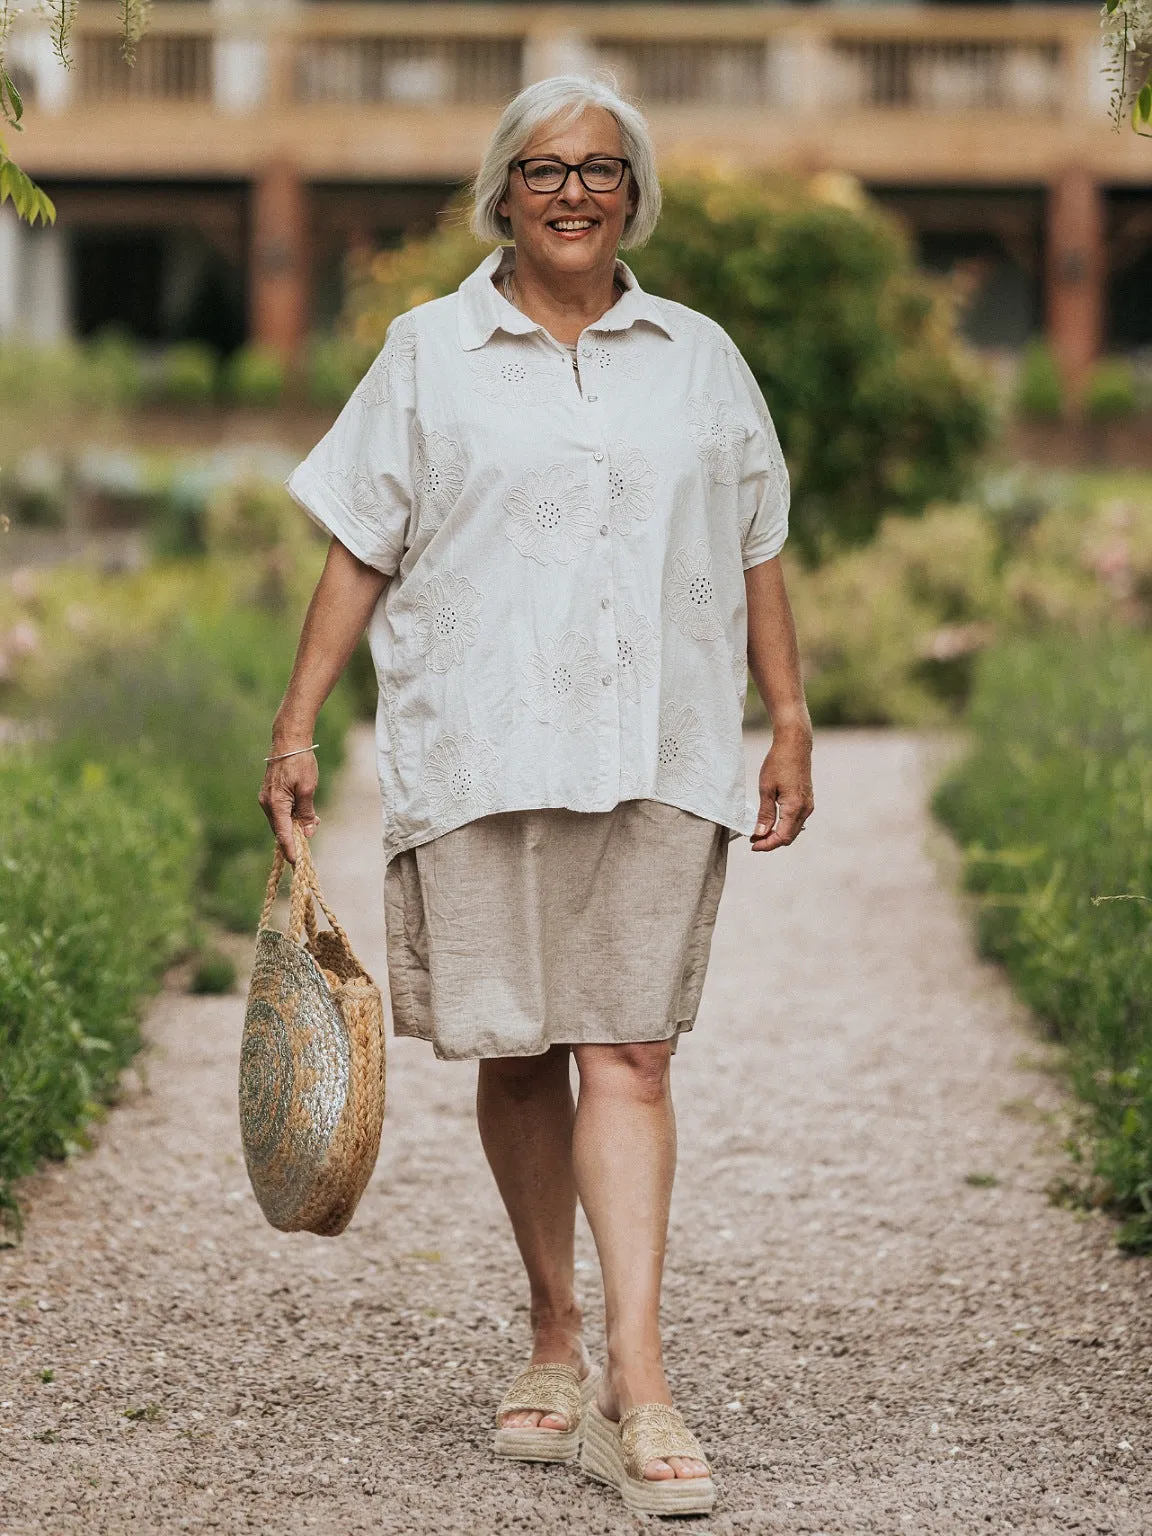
(555, 1341)
(621, 1390)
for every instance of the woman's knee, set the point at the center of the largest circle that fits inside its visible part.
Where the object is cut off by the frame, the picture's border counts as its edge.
(522, 1077)
(638, 1070)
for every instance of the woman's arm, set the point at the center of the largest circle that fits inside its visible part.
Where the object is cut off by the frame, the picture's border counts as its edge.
(774, 658)
(340, 609)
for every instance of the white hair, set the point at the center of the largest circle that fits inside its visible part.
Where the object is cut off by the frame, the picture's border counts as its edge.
(564, 97)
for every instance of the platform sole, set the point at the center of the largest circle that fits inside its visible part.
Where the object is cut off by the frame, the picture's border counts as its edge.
(602, 1458)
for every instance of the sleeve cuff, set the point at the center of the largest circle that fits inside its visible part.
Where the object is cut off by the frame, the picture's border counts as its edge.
(326, 510)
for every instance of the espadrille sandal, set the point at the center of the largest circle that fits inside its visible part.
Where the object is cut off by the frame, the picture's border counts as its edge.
(618, 1453)
(546, 1389)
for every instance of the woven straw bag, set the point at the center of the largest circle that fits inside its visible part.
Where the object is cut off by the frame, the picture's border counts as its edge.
(311, 1064)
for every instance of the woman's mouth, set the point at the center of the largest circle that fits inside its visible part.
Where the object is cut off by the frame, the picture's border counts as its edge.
(572, 229)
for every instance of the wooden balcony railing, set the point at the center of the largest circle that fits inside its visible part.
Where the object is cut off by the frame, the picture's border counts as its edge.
(409, 71)
(167, 68)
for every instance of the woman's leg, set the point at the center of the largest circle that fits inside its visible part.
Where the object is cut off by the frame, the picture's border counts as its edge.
(624, 1152)
(525, 1113)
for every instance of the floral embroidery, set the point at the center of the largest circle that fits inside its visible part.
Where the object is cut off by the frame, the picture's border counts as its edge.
(680, 754)
(740, 675)
(447, 610)
(562, 680)
(460, 777)
(630, 482)
(437, 473)
(550, 516)
(635, 652)
(505, 375)
(690, 594)
(355, 490)
(620, 359)
(719, 435)
(396, 360)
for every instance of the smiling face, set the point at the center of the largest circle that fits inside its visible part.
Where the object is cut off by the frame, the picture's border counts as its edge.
(572, 231)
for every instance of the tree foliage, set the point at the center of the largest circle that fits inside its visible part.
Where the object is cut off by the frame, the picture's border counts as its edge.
(877, 408)
(1127, 28)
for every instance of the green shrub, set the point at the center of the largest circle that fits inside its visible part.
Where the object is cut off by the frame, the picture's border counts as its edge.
(195, 703)
(97, 879)
(877, 407)
(188, 374)
(1110, 394)
(113, 371)
(254, 375)
(213, 973)
(332, 369)
(1052, 806)
(1039, 388)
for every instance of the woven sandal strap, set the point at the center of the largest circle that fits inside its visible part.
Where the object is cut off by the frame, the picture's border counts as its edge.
(653, 1432)
(544, 1389)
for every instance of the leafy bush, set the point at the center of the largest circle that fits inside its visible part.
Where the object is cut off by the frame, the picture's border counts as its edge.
(877, 408)
(195, 703)
(1110, 393)
(1052, 805)
(97, 879)
(1039, 388)
(188, 374)
(333, 367)
(254, 376)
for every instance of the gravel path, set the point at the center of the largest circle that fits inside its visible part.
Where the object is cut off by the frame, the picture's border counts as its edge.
(866, 1341)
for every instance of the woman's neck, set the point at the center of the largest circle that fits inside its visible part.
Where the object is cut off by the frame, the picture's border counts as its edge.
(565, 307)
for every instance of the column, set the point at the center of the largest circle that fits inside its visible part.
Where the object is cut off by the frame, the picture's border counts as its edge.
(278, 284)
(1076, 262)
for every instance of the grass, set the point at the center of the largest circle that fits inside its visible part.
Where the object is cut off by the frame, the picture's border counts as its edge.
(1054, 808)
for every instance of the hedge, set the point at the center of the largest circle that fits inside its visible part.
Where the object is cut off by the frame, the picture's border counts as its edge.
(1054, 807)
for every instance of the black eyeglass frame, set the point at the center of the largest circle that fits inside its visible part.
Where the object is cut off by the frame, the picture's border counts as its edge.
(518, 165)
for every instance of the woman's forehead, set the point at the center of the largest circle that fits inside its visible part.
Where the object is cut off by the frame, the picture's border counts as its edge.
(594, 132)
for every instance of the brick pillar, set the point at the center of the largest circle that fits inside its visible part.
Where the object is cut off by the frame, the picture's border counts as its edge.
(1076, 262)
(278, 286)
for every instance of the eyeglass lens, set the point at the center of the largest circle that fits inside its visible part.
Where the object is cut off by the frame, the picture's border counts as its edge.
(550, 175)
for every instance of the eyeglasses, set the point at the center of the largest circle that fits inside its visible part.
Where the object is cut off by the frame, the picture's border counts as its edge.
(603, 174)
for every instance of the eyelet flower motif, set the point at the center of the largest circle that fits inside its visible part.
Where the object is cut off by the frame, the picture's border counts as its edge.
(680, 754)
(437, 474)
(460, 777)
(561, 682)
(396, 361)
(510, 375)
(630, 482)
(619, 360)
(550, 516)
(447, 611)
(719, 435)
(636, 652)
(354, 490)
(690, 595)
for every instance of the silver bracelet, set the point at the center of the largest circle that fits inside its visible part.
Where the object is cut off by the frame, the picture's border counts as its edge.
(294, 753)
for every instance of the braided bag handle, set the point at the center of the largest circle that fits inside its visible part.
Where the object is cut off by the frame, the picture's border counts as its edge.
(304, 894)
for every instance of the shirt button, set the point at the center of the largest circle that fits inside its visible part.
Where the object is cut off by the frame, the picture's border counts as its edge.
(592, 399)
(598, 457)
(605, 602)
(603, 530)
(607, 679)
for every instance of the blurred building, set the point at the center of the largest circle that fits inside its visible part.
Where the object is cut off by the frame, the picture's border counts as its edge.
(214, 190)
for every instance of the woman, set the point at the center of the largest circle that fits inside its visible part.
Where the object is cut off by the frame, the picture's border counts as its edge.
(557, 502)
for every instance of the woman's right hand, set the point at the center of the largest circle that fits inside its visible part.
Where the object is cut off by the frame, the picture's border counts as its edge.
(286, 795)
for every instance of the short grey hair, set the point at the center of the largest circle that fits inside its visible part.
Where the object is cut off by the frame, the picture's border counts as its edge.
(564, 97)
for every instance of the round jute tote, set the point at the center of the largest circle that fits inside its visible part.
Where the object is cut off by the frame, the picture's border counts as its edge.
(311, 1064)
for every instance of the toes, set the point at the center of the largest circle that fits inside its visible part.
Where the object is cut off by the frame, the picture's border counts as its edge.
(553, 1421)
(520, 1419)
(658, 1471)
(688, 1466)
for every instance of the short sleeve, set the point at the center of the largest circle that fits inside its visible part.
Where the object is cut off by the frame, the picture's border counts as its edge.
(357, 483)
(764, 490)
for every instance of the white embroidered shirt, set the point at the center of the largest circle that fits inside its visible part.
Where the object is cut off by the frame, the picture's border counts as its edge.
(565, 623)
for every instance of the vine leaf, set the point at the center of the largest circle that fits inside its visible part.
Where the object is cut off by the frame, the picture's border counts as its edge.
(11, 104)
(29, 200)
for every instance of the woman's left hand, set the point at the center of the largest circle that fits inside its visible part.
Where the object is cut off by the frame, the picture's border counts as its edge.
(786, 800)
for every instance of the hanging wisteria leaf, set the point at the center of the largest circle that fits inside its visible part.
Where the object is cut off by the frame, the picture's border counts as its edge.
(29, 201)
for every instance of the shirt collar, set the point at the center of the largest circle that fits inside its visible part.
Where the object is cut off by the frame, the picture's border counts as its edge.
(484, 311)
